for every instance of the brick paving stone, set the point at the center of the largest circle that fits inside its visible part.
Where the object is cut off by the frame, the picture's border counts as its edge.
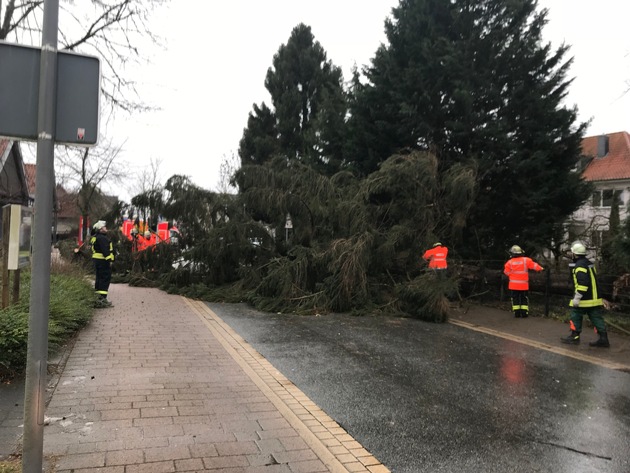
(279, 433)
(182, 440)
(124, 457)
(295, 456)
(166, 453)
(81, 460)
(105, 469)
(270, 445)
(191, 464)
(293, 443)
(163, 430)
(214, 463)
(355, 467)
(152, 421)
(312, 466)
(203, 450)
(157, 467)
(116, 414)
(236, 448)
(378, 469)
(268, 469)
(262, 459)
(246, 436)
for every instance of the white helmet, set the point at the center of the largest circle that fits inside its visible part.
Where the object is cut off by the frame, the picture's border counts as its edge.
(578, 248)
(100, 224)
(516, 250)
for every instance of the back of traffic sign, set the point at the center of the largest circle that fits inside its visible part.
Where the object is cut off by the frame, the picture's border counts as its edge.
(77, 96)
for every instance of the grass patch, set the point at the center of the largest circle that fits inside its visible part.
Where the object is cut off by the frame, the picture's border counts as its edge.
(11, 466)
(14, 464)
(71, 296)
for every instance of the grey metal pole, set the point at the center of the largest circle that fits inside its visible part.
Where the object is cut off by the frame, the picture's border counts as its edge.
(37, 355)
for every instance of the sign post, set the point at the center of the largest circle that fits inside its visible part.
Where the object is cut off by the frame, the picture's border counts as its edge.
(67, 88)
(37, 354)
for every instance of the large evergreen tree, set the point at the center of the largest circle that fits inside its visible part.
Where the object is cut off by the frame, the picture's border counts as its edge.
(474, 80)
(307, 120)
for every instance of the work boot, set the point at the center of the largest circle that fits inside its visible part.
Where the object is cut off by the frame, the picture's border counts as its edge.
(601, 342)
(99, 304)
(102, 304)
(573, 339)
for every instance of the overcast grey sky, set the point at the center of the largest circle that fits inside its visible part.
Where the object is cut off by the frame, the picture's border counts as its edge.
(217, 55)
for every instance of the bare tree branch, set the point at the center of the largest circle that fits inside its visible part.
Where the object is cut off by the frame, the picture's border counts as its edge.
(113, 30)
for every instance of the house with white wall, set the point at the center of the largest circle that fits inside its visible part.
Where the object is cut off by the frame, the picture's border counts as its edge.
(606, 164)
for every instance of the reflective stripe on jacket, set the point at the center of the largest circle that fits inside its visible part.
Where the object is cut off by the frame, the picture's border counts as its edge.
(517, 270)
(102, 247)
(585, 282)
(436, 257)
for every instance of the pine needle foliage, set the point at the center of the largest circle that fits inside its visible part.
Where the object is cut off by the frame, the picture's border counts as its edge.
(425, 297)
(352, 244)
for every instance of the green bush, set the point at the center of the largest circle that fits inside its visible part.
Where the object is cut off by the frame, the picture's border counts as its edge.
(71, 296)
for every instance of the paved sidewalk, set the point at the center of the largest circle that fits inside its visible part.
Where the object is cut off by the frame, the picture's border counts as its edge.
(545, 334)
(159, 384)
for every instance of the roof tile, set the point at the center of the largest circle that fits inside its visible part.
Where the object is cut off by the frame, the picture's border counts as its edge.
(615, 165)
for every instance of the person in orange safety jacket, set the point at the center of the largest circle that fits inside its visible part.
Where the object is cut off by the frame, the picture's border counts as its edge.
(146, 241)
(517, 270)
(436, 256)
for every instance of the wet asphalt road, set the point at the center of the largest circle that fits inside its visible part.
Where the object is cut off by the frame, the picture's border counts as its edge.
(440, 398)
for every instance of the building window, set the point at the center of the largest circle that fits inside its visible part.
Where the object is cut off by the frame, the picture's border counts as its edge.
(604, 198)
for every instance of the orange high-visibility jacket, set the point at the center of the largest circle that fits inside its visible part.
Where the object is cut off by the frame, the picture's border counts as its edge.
(436, 257)
(144, 243)
(517, 270)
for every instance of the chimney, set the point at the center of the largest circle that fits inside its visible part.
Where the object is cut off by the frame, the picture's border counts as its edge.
(602, 146)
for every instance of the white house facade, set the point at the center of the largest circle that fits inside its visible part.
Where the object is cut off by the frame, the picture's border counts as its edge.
(607, 167)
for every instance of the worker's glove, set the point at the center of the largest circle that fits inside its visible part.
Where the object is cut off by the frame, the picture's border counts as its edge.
(576, 300)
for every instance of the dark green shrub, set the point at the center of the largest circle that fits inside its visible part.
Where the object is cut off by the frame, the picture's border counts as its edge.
(71, 295)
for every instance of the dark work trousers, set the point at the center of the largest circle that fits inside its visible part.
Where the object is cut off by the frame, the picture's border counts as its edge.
(520, 303)
(103, 269)
(593, 313)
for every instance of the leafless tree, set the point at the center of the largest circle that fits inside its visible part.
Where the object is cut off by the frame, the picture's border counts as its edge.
(149, 178)
(85, 170)
(113, 30)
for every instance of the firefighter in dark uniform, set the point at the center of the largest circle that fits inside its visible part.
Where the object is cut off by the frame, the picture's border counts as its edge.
(587, 300)
(102, 255)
